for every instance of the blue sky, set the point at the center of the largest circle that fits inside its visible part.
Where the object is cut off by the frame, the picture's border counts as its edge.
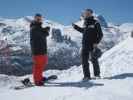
(68, 11)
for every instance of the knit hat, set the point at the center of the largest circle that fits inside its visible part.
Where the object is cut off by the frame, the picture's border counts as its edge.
(89, 10)
(38, 15)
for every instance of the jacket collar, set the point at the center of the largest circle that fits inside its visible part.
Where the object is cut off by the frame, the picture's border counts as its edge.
(34, 23)
(90, 18)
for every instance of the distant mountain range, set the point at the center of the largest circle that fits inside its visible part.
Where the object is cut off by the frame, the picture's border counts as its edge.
(64, 43)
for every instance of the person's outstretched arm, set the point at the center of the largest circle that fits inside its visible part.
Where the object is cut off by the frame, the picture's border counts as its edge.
(76, 27)
(99, 32)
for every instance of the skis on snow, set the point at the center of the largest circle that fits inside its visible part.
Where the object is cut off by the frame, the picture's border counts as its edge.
(26, 83)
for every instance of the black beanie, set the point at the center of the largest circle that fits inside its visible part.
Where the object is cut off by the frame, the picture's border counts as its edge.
(90, 10)
(38, 15)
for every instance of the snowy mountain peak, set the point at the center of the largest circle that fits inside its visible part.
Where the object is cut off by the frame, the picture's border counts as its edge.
(15, 42)
(119, 58)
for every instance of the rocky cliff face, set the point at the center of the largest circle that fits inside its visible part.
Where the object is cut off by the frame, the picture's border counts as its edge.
(102, 21)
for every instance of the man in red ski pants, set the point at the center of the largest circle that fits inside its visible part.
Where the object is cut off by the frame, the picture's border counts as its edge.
(38, 42)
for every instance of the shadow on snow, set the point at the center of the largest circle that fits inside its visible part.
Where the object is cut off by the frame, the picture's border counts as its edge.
(89, 84)
(74, 84)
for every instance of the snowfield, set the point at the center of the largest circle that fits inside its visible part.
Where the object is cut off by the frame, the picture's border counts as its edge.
(116, 84)
(126, 27)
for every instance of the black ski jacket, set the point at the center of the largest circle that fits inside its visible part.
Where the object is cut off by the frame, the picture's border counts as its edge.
(92, 32)
(38, 40)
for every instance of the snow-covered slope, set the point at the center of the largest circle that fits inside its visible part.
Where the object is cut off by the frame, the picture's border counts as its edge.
(117, 82)
(119, 58)
(126, 27)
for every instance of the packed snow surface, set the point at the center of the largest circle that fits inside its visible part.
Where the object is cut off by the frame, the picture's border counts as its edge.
(116, 83)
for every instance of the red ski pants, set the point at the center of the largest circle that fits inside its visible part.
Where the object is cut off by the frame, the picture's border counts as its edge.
(39, 64)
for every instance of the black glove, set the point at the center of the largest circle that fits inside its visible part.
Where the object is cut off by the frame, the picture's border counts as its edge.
(47, 28)
(73, 25)
(97, 53)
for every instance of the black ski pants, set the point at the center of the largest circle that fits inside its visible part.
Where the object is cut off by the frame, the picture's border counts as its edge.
(87, 55)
